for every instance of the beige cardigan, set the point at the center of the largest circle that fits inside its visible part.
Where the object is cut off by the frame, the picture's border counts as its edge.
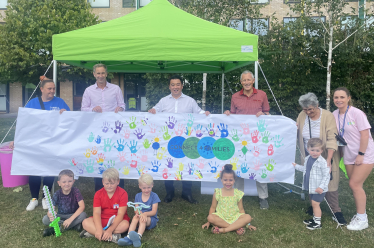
(327, 135)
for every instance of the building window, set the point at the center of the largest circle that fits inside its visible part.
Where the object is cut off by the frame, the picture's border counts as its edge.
(348, 22)
(317, 20)
(143, 3)
(4, 93)
(258, 26)
(236, 24)
(287, 20)
(128, 4)
(99, 3)
(259, 1)
(3, 4)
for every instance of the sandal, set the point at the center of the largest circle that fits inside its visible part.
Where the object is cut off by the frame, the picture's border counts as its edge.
(240, 231)
(215, 229)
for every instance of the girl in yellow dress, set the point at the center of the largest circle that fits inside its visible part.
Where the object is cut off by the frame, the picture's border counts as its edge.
(227, 213)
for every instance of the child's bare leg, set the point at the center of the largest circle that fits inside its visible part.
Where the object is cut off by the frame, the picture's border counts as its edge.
(122, 227)
(240, 222)
(143, 225)
(217, 221)
(89, 225)
(134, 223)
(316, 209)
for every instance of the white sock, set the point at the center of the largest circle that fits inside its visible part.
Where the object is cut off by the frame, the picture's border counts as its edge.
(317, 220)
(363, 217)
(140, 236)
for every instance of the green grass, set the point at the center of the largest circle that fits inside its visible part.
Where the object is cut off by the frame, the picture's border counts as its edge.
(180, 222)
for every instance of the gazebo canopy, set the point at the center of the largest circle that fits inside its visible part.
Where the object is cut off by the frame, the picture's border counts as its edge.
(158, 38)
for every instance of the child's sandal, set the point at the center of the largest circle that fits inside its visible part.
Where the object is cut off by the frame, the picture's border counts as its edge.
(215, 229)
(240, 231)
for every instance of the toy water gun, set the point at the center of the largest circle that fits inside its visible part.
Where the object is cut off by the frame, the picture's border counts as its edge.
(137, 208)
(56, 219)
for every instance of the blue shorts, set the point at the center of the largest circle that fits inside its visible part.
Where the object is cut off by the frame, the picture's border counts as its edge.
(317, 197)
(153, 224)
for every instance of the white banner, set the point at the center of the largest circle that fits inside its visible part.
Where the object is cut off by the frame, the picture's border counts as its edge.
(167, 146)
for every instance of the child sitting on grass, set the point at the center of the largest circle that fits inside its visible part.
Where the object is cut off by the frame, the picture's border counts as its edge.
(227, 213)
(70, 205)
(316, 178)
(148, 216)
(108, 201)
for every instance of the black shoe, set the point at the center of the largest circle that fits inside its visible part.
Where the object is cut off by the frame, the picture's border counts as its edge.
(48, 232)
(168, 198)
(309, 211)
(189, 199)
(307, 222)
(314, 226)
(78, 227)
(339, 218)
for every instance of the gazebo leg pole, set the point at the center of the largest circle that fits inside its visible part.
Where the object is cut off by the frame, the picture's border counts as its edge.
(204, 92)
(256, 75)
(55, 73)
(223, 91)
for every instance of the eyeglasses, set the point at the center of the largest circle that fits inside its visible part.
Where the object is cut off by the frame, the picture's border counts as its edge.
(309, 110)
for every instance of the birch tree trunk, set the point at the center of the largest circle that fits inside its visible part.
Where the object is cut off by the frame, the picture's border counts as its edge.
(328, 82)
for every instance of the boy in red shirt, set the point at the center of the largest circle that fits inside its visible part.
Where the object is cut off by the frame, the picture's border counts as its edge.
(108, 201)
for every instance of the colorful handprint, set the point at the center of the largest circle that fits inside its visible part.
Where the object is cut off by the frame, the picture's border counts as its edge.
(118, 127)
(265, 137)
(191, 169)
(188, 131)
(100, 159)
(278, 141)
(264, 174)
(234, 135)
(94, 150)
(139, 134)
(132, 146)
(125, 170)
(245, 128)
(122, 156)
(223, 130)
(134, 161)
(190, 120)
(89, 166)
(270, 150)
(105, 126)
(234, 161)
(160, 153)
(252, 176)
(153, 127)
(120, 146)
(198, 130)
(169, 163)
(171, 123)
(146, 143)
(210, 129)
(255, 137)
(126, 133)
(98, 139)
(132, 124)
(166, 134)
(201, 164)
(180, 129)
(108, 145)
(270, 166)
(213, 167)
(91, 137)
(261, 126)
(143, 156)
(257, 164)
(155, 166)
(244, 167)
(88, 153)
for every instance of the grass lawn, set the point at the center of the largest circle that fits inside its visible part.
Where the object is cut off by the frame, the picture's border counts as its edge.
(180, 222)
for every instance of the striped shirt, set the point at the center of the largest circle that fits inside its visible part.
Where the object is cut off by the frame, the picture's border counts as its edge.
(244, 105)
(315, 126)
(108, 98)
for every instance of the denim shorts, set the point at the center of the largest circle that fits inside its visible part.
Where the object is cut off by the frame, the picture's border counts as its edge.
(153, 224)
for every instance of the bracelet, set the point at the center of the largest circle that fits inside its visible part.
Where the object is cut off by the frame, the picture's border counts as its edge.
(361, 153)
(248, 224)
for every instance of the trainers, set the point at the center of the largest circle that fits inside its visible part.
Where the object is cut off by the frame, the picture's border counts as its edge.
(307, 222)
(339, 218)
(85, 234)
(116, 237)
(314, 226)
(264, 204)
(33, 203)
(135, 238)
(44, 203)
(357, 224)
(48, 232)
(124, 241)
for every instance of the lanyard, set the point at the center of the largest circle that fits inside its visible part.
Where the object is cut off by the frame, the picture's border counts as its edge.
(341, 131)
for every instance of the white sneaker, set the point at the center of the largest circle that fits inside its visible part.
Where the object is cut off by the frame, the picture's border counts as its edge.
(357, 224)
(33, 203)
(44, 203)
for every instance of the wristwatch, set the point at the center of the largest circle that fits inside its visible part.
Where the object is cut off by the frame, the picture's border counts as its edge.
(361, 153)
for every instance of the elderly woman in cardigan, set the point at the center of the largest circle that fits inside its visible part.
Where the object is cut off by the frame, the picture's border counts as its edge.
(315, 122)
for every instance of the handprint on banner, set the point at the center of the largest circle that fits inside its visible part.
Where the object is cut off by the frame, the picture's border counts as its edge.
(166, 134)
(101, 170)
(191, 169)
(181, 166)
(180, 129)
(144, 121)
(118, 127)
(111, 164)
(210, 129)
(132, 124)
(257, 164)
(98, 140)
(261, 126)
(122, 156)
(198, 130)
(155, 166)
(252, 176)
(91, 137)
(72, 162)
(234, 162)
(165, 174)
(132, 146)
(190, 120)
(80, 169)
(108, 145)
(171, 123)
(271, 177)
(223, 130)
(126, 133)
(146, 143)
(198, 174)
(140, 170)
(270, 165)
(160, 153)
(138, 133)
(201, 164)
(264, 174)
(188, 131)
(178, 175)
(125, 170)
(265, 137)
(213, 167)
(155, 145)
(238, 173)
(143, 156)
(234, 135)
(105, 126)
(256, 151)
(255, 137)
(169, 163)
(89, 166)
(88, 153)
(120, 146)
(277, 141)
(153, 127)
(100, 159)
(244, 168)
(245, 128)
(134, 161)
(270, 150)
(94, 150)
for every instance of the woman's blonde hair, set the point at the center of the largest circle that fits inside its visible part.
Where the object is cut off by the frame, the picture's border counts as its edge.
(146, 178)
(111, 174)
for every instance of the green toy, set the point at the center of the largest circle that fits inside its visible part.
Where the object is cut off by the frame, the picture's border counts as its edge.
(56, 219)
(342, 167)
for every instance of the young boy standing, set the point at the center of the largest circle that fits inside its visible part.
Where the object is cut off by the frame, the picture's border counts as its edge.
(316, 177)
(147, 219)
(108, 201)
(69, 202)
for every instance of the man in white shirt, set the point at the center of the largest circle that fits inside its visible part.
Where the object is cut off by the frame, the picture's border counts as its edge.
(177, 102)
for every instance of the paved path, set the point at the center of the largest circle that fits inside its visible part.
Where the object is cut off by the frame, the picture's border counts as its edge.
(11, 115)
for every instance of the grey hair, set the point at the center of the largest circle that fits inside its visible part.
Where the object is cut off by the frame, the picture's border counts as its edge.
(246, 72)
(309, 99)
(99, 65)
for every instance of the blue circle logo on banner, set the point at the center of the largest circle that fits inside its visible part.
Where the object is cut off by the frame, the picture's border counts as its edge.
(175, 147)
(204, 147)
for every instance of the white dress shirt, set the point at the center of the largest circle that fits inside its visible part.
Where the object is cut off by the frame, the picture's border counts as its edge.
(184, 104)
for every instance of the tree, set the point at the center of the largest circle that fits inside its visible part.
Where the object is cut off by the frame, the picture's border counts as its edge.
(26, 37)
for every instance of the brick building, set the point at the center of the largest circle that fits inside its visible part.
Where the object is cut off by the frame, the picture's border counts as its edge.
(15, 95)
